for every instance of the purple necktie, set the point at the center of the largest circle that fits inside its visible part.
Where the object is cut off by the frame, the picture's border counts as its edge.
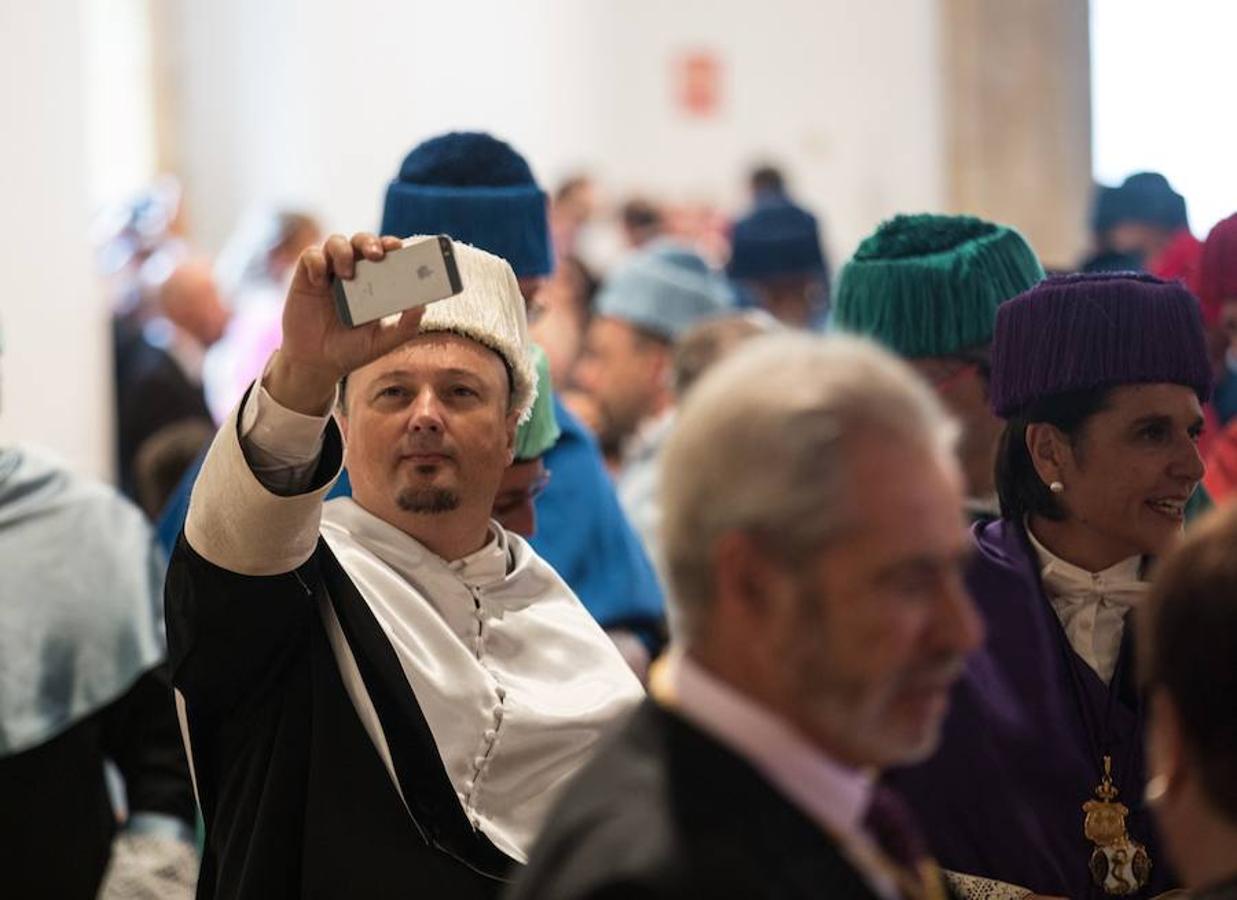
(891, 823)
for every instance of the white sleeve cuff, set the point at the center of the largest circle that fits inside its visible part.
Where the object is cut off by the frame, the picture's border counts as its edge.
(238, 523)
(279, 433)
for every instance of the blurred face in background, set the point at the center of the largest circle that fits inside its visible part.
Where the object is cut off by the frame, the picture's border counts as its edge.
(795, 301)
(522, 483)
(530, 287)
(190, 299)
(1138, 239)
(299, 232)
(962, 384)
(560, 317)
(627, 373)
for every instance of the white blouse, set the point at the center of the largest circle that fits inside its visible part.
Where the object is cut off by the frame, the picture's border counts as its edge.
(1092, 605)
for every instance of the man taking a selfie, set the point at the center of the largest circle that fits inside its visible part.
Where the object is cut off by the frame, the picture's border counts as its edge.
(382, 693)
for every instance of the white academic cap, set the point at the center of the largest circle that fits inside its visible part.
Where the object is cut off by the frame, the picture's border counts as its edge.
(490, 311)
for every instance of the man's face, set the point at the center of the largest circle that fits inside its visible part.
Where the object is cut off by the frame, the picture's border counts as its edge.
(962, 386)
(625, 372)
(792, 300)
(521, 485)
(530, 287)
(191, 300)
(428, 428)
(873, 635)
(1138, 239)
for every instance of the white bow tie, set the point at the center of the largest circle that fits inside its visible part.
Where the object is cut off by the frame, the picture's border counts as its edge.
(1118, 586)
(1092, 606)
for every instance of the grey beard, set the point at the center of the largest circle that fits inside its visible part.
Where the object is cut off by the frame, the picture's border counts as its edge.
(427, 500)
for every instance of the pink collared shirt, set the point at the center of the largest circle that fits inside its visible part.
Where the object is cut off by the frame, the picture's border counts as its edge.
(834, 796)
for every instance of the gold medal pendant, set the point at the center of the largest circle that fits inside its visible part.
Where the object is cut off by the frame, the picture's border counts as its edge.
(1119, 865)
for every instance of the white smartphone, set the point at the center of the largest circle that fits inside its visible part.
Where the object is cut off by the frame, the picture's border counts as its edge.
(420, 272)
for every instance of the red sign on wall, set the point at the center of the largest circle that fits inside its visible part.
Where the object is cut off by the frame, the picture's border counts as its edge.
(698, 83)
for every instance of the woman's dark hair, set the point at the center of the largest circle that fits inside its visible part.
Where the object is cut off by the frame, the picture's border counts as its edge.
(1188, 647)
(1018, 486)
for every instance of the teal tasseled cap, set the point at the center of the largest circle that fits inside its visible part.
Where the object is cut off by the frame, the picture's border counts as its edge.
(539, 432)
(929, 285)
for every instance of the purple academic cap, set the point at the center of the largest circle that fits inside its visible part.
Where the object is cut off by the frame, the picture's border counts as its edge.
(1078, 332)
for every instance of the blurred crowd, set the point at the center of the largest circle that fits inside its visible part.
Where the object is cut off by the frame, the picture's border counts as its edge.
(1091, 414)
(190, 333)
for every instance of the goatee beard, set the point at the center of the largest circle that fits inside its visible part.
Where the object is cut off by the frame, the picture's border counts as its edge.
(431, 501)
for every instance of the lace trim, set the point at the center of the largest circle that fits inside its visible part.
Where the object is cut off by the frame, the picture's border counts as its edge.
(150, 867)
(973, 887)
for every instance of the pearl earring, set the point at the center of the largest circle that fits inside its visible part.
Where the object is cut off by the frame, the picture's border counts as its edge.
(1157, 787)
(1057, 487)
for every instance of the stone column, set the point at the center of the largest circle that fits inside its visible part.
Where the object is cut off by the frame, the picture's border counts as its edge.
(1017, 95)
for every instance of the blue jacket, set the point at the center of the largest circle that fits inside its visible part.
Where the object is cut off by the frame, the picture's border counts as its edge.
(583, 533)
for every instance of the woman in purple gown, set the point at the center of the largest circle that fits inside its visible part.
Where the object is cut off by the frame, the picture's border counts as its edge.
(1039, 779)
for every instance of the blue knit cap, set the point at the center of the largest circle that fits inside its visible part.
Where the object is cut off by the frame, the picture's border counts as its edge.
(1144, 197)
(777, 238)
(664, 289)
(478, 190)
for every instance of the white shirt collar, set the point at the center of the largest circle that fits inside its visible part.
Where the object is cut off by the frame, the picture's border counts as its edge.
(400, 550)
(1092, 606)
(488, 565)
(1064, 579)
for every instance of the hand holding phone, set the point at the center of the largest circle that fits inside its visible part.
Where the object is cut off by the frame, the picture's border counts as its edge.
(318, 349)
(418, 273)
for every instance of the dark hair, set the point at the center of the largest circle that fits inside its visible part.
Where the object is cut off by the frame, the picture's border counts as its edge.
(1189, 648)
(767, 178)
(163, 458)
(639, 214)
(1019, 488)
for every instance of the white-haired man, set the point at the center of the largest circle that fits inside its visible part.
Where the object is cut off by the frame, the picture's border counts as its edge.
(814, 536)
(381, 695)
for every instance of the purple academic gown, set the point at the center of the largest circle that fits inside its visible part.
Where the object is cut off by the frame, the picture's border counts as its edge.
(1002, 797)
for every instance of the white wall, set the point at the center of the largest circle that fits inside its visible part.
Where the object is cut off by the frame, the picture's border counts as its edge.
(845, 95)
(1163, 100)
(310, 102)
(55, 368)
(299, 100)
(287, 100)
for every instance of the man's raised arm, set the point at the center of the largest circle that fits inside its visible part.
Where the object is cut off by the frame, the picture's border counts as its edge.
(257, 503)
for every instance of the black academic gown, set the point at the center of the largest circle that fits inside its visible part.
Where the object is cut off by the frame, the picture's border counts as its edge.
(152, 392)
(665, 811)
(56, 816)
(296, 800)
